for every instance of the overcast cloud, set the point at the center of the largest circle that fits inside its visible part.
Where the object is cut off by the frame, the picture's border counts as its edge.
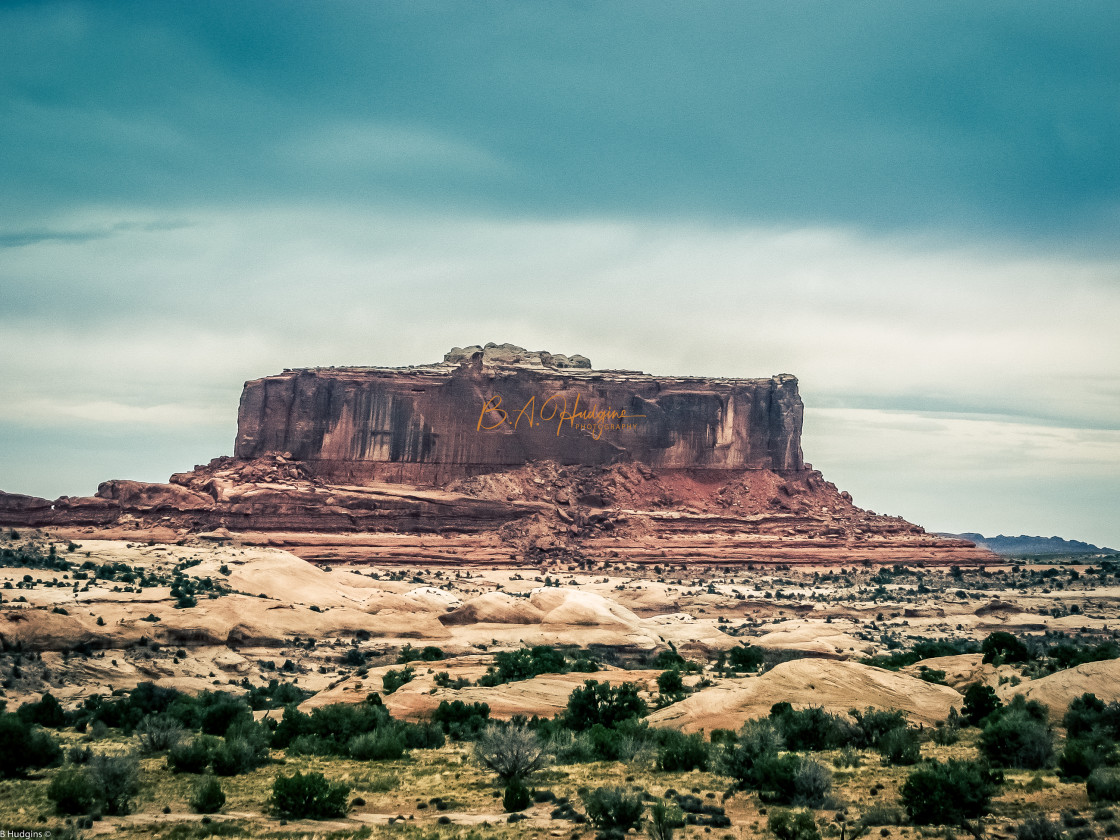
(912, 208)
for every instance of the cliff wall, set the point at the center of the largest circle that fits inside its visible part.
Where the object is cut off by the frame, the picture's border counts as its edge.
(491, 411)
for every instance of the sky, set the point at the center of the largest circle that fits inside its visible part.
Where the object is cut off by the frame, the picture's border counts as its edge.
(914, 208)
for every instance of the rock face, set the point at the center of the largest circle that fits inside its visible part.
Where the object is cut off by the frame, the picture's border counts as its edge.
(492, 408)
(501, 456)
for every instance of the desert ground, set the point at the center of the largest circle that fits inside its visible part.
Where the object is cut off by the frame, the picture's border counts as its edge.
(97, 618)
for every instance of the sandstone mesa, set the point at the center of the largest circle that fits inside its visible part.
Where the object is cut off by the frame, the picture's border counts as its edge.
(500, 456)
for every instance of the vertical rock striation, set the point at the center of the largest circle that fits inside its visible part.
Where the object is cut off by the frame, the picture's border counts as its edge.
(486, 409)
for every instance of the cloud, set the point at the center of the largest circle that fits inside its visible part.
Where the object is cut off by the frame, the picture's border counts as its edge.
(956, 117)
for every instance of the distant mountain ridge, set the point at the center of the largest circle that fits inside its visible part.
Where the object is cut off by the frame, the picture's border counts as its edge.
(1023, 545)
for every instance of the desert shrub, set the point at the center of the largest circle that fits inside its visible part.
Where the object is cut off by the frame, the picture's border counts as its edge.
(525, 663)
(207, 797)
(811, 729)
(678, 752)
(308, 796)
(79, 755)
(613, 809)
(949, 793)
(235, 756)
(945, 735)
(1017, 738)
(874, 724)
(900, 747)
(1038, 827)
(73, 792)
(572, 747)
(602, 703)
(116, 779)
(380, 745)
(512, 751)
(516, 796)
(329, 729)
(980, 700)
(1103, 785)
(1081, 756)
(1003, 647)
(759, 741)
(878, 815)
(670, 684)
(664, 820)
(354, 657)
(420, 736)
(849, 757)
(1088, 714)
(222, 714)
(461, 721)
(158, 733)
(792, 825)
(408, 653)
(394, 679)
(25, 746)
(46, 712)
(192, 756)
(744, 658)
(276, 695)
(931, 675)
(812, 784)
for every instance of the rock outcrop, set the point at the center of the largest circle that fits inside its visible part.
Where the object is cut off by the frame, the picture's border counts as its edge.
(424, 465)
(502, 407)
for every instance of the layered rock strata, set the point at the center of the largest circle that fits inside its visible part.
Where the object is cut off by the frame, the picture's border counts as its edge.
(501, 456)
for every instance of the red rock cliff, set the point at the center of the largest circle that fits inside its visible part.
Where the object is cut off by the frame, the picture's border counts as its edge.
(485, 409)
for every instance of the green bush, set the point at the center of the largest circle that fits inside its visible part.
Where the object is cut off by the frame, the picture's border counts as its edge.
(46, 712)
(516, 797)
(875, 724)
(812, 785)
(395, 679)
(158, 733)
(235, 756)
(380, 745)
(116, 779)
(900, 747)
(812, 729)
(596, 702)
(208, 797)
(25, 746)
(1017, 738)
(759, 741)
(1038, 827)
(429, 653)
(222, 714)
(678, 752)
(949, 793)
(461, 721)
(308, 796)
(72, 792)
(1088, 714)
(792, 825)
(1104, 785)
(1003, 647)
(515, 752)
(670, 684)
(664, 820)
(1081, 756)
(980, 700)
(744, 658)
(613, 809)
(192, 756)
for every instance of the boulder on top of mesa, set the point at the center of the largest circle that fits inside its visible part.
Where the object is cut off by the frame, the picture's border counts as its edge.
(511, 354)
(496, 406)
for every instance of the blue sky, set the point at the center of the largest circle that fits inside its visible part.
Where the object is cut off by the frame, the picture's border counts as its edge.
(914, 208)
